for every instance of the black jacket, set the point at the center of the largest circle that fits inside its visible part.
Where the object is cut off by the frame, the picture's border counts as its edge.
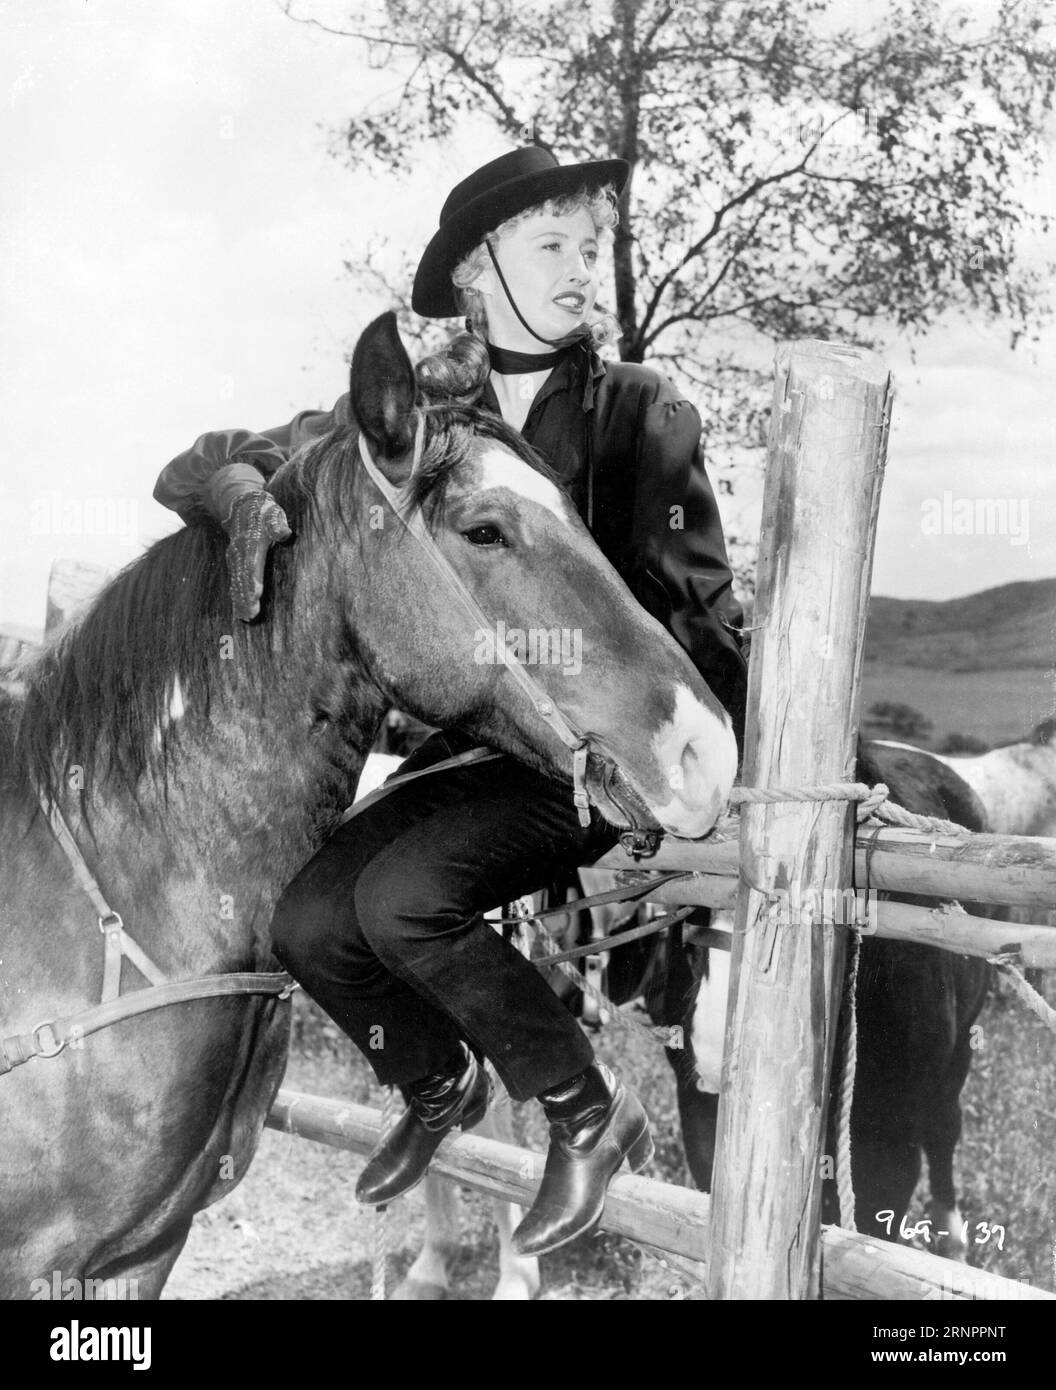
(627, 447)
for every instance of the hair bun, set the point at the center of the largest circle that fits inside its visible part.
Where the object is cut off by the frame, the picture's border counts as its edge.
(604, 330)
(457, 373)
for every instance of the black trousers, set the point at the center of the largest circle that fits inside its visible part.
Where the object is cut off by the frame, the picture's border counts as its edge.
(383, 927)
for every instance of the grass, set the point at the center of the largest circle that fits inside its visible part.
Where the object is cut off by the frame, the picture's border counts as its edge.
(995, 706)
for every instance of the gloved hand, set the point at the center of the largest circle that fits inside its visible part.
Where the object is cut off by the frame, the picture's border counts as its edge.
(255, 524)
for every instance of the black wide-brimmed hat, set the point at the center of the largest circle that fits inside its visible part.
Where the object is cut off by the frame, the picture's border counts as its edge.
(508, 185)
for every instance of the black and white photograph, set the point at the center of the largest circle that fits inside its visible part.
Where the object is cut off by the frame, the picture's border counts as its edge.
(528, 662)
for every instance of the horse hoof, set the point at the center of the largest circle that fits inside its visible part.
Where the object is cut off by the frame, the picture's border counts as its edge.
(516, 1291)
(418, 1291)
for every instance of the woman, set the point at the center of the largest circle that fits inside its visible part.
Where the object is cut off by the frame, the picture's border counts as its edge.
(384, 926)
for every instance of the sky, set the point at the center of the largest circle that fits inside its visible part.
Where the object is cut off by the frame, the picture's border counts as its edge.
(172, 236)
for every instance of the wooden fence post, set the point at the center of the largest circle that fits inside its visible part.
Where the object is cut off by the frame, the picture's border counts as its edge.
(827, 447)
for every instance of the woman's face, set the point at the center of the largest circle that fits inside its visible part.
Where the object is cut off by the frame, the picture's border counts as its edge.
(550, 265)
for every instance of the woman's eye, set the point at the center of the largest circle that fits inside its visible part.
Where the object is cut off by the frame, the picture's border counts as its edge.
(590, 257)
(484, 535)
(551, 246)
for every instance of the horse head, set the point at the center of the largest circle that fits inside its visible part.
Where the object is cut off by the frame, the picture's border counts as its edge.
(508, 569)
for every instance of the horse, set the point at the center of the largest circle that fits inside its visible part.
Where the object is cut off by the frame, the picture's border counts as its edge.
(1016, 782)
(198, 763)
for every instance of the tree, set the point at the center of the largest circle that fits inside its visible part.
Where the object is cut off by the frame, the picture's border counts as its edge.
(791, 175)
(963, 745)
(890, 719)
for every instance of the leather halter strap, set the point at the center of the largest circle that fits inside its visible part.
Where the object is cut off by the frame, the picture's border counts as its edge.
(400, 500)
(49, 1038)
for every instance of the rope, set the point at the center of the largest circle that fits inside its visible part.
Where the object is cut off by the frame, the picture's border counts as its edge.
(380, 1252)
(1026, 993)
(844, 1184)
(874, 804)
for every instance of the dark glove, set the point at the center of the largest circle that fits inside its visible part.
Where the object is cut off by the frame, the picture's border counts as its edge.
(255, 524)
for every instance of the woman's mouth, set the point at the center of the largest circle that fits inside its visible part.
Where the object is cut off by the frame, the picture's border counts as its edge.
(572, 302)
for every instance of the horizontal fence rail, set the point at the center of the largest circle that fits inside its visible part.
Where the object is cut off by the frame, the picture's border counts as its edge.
(672, 1221)
(1013, 870)
(1030, 945)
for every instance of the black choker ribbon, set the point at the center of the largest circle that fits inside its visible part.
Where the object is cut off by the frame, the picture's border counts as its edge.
(507, 362)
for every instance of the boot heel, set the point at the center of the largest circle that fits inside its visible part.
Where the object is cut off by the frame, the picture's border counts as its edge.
(476, 1113)
(641, 1151)
(474, 1116)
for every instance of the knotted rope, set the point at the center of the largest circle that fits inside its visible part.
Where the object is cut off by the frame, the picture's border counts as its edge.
(873, 804)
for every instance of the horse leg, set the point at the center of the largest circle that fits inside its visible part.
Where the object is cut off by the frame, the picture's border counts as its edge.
(949, 1230)
(698, 1113)
(429, 1277)
(885, 1173)
(142, 1275)
(518, 1274)
(703, 990)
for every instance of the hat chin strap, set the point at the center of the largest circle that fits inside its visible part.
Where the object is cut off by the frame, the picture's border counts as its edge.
(580, 331)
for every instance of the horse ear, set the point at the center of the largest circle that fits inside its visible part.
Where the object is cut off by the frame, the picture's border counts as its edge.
(382, 390)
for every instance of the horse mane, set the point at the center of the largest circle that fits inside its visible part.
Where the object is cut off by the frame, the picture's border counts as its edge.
(99, 697)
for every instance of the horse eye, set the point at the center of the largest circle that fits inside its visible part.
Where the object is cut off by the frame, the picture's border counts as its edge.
(484, 535)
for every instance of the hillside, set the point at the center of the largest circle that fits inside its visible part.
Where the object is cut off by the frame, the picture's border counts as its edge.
(1007, 628)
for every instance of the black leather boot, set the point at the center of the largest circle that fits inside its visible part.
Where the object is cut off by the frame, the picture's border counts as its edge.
(595, 1123)
(435, 1105)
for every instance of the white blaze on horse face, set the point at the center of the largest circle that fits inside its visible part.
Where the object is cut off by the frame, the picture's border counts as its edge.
(709, 1013)
(698, 753)
(500, 468)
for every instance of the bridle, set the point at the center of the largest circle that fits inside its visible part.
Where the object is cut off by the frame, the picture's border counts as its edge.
(641, 840)
(574, 739)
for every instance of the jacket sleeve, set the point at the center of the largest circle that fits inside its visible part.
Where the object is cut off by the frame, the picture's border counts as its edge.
(206, 479)
(681, 560)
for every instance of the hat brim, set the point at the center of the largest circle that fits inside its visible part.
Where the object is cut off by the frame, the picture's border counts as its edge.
(433, 293)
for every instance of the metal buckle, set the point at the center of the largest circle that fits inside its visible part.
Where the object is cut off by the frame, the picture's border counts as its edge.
(594, 1015)
(57, 1044)
(111, 922)
(642, 842)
